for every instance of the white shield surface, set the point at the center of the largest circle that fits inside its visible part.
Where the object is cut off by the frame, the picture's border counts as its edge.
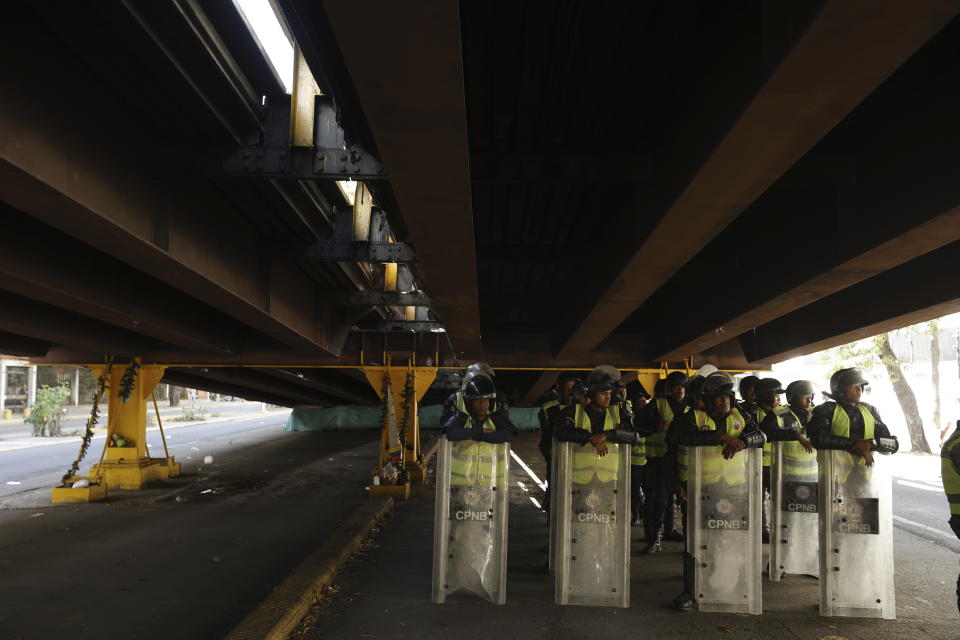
(552, 555)
(795, 539)
(470, 520)
(592, 515)
(724, 528)
(856, 537)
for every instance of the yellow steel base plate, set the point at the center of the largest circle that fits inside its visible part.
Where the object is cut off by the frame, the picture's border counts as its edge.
(93, 493)
(395, 491)
(133, 474)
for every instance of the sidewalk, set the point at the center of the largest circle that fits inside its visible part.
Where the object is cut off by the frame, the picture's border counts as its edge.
(387, 595)
(15, 434)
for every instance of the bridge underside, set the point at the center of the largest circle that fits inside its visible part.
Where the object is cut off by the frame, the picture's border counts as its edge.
(627, 183)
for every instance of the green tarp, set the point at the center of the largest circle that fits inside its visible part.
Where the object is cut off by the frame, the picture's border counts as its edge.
(353, 417)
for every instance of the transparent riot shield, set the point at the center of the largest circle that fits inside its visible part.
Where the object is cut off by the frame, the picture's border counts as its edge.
(470, 520)
(724, 528)
(592, 525)
(856, 537)
(552, 554)
(795, 543)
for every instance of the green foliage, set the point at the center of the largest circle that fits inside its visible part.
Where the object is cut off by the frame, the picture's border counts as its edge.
(49, 411)
(860, 353)
(91, 423)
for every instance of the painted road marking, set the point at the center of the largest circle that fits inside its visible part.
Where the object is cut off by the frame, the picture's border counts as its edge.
(529, 471)
(917, 485)
(949, 536)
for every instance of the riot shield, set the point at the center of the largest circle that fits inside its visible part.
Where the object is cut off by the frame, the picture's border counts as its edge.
(552, 553)
(724, 527)
(470, 520)
(592, 525)
(795, 543)
(856, 537)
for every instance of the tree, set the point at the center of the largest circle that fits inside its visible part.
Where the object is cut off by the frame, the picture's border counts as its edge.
(905, 395)
(174, 396)
(934, 327)
(49, 410)
(864, 354)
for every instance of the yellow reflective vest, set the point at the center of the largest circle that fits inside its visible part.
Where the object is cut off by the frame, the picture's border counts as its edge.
(840, 425)
(950, 473)
(476, 464)
(768, 447)
(796, 460)
(655, 445)
(587, 463)
(713, 467)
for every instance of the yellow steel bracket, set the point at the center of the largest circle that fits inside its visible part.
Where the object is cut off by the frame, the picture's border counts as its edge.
(125, 462)
(406, 402)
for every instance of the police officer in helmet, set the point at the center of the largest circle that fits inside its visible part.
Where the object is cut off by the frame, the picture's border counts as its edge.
(598, 422)
(721, 424)
(849, 424)
(766, 398)
(475, 414)
(555, 400)
(656, 419)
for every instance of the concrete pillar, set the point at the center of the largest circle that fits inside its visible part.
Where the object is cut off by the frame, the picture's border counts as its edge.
(31, 386)
(3, 386)
(75, 388)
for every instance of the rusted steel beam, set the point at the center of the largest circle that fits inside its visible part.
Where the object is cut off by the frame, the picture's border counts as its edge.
(73, 158)
(847, 51)
(414, 104)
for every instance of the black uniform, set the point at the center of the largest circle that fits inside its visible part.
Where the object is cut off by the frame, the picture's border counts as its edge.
(658, 489)
(821, 434)
(567, 430)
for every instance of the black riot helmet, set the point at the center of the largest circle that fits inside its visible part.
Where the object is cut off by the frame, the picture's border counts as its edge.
(659, 388)
(476, 369)
(695, 390)
(748, 382)
(479, 386)
(798, 389)
(567, 376)
(844, 378)
(635, 389)
(674, 380)
(720, 383)
(602, 378)
(767, 390)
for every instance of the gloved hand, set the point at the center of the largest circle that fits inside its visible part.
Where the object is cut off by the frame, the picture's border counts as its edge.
(887, 445)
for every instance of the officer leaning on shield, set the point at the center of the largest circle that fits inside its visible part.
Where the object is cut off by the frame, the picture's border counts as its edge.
(830, 506)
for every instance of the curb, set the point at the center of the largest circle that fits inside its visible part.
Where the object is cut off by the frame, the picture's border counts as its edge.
(291, 600)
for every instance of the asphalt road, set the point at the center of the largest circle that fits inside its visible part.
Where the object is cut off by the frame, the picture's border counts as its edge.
(43, 466)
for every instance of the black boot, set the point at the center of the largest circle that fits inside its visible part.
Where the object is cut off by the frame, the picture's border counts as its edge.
(653, 543)
(685, 601)
(674, 536)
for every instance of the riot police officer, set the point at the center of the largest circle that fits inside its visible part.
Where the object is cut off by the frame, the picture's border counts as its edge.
(847, 423)
(559, 397)
(766, 392)
(637, 398)
(656, 419)
(793, 482)
(471, 416)
(598, 420)
(471, 509)
(720, 426)
(950, 473)
(592, 497)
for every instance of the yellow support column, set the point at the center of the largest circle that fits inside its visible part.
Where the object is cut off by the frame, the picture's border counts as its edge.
(411, 455)
(130, 466)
